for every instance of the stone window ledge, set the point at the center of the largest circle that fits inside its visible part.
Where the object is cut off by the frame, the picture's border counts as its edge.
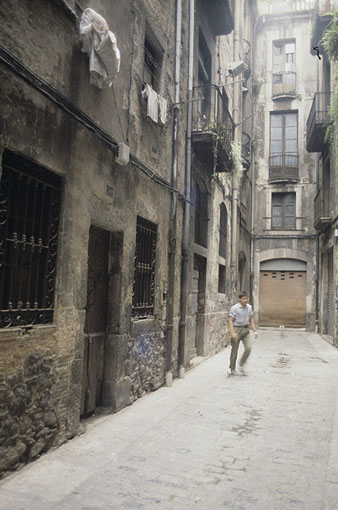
(39, 331)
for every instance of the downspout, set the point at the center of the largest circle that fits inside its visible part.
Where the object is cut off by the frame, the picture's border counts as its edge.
(253, 177)
(237, 139)
(187, 196)
(317, 239)
(173, 218)
(252, 261)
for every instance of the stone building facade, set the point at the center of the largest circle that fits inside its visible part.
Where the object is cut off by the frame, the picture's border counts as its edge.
(284, 240)
(323, 147)
(116, 270)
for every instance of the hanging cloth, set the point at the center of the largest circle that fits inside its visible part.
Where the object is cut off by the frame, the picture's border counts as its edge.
(100, 44)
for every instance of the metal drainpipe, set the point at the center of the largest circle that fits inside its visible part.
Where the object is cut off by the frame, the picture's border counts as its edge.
(253, 177)
(236, 115)
(252, 224)
(317, 240)
(173, 218)
(187, 195)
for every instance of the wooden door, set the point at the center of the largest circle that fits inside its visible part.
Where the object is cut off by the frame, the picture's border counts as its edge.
(95, 326)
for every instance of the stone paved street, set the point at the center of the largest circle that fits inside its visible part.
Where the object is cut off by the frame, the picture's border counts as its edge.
(268, 441)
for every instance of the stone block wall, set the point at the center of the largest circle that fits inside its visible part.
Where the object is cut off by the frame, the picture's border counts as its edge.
(28, 402)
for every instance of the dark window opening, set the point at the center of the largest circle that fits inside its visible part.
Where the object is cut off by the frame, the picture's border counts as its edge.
(283, 211)
(222, 231)
(30, 199)
(201, 217)
(221, 279)
(153, 58)
(144, 272)
(204, 61)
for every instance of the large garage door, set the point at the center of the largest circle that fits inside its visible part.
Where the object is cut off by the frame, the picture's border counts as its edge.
(282, 298)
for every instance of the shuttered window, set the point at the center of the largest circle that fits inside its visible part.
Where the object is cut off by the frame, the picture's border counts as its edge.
(283, 214)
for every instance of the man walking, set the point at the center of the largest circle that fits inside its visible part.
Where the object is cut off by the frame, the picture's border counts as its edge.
(240, 317)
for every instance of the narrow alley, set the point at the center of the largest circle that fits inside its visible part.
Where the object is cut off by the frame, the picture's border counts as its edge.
(265, 441)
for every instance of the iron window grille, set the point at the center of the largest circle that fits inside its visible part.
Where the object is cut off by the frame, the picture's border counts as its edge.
(30, 198)
(144, 273)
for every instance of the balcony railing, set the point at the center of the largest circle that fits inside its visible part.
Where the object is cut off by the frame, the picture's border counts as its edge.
(283, 167)
(317, 122)
(322, 216)
(284, 84)
(282, 6)
(210, 110)
(212, 124)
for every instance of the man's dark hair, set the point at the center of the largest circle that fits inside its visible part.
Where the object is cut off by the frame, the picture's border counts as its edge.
(243, 294)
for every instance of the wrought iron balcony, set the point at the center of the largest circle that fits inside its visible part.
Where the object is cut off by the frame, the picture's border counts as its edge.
(318, 122)
(212, 128)
(283, 167)
(283, 85)
(322, 216)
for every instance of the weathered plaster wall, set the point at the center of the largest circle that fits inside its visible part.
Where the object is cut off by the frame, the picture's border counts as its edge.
(302, 238)
(42, 372)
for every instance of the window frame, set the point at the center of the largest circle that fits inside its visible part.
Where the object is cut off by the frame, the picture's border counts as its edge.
(143, 268)
(284, 115)
(283, 199)
(30, 242)
(283, 72)
(153, 54)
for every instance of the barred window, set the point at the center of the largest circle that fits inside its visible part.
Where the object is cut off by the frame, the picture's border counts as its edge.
(144, 274)
(30, 199)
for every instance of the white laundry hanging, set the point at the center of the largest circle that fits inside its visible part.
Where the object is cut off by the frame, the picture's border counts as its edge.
(162, 110)
(152, 102)
(100, 45)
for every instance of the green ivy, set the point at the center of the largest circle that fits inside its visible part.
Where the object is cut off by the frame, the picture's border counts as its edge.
(330, 38)
(330, 44)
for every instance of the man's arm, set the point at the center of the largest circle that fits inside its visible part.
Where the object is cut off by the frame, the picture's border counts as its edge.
(231, 328)
(253, 325)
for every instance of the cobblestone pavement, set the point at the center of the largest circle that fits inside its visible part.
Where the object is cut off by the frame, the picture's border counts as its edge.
(268, 441)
